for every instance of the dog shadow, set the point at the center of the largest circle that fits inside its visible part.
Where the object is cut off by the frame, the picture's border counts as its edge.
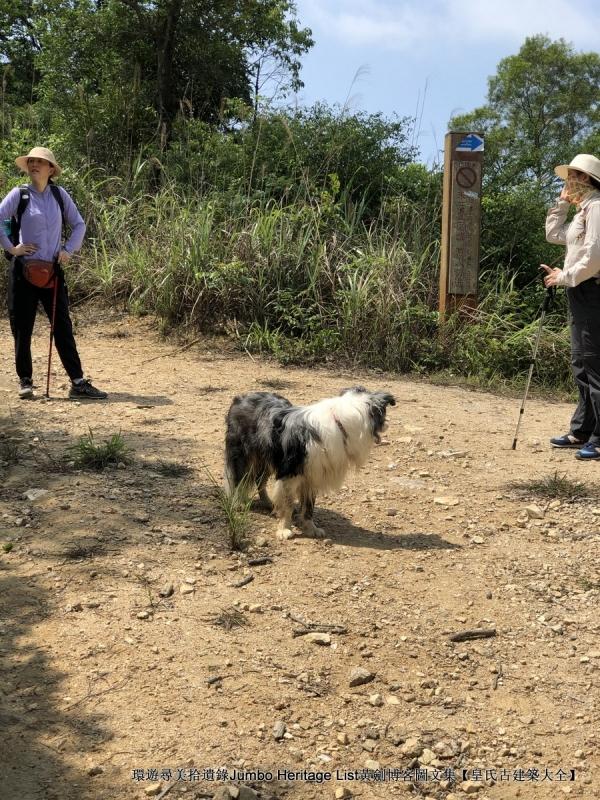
(340, 530)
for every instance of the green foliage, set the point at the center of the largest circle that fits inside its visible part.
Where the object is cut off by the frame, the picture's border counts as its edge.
(543, 107)
(89, 454)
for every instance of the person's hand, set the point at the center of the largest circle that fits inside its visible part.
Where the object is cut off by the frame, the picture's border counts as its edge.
(564, 195)
(64, 257)
(23, 250)
(552, 275)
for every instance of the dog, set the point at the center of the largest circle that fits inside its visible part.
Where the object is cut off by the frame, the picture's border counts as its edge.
(308, 449)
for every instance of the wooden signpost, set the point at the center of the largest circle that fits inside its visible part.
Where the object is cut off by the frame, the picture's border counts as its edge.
(461, 220)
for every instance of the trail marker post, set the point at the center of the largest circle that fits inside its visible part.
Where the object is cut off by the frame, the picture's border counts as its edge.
(461, 221)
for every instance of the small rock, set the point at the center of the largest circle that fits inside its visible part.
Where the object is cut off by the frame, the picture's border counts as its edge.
(255, 608)
(153, 789)
(534, 511)
(412, 748)
(372, 765)
(392, 700)
(376, 700)
(471, 787)
(186, 588)
(279, 730)
(261, 541)
(369, 745)
(343, 738)
(446, 501)
(341, 793)
(35, 494)
(360, 676)
(319, 638)
(246, 793)
(167, 590)
(427, 757)
(222, 793)
(143, 615)
(96, 770)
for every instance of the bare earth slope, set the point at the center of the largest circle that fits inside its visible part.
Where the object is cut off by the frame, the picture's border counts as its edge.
(110, 690)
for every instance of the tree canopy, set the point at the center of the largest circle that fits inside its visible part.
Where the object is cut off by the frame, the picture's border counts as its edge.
(543, 106)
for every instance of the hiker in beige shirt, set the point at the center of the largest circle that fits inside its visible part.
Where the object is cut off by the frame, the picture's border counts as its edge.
(581, 278)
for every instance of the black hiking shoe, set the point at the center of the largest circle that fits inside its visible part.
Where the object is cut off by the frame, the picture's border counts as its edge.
(84, 390)
(26, 389)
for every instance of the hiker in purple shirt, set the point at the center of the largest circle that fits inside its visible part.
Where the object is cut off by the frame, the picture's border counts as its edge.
(36, 263)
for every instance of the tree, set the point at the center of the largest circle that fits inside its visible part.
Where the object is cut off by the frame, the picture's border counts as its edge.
(126, 68)
(543, 106)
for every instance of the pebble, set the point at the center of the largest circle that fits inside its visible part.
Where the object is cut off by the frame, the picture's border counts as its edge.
(446, 501)
(360, 676)
(186, 588)
(95, 770)
(35, 494)
(412, 748)
(143, 615)
(167, 590)
(153, 789)
(319, 638)
(341, 793)
(471, 787)
(343, 738)
(534, 511)
(279, 730)
(376, 700)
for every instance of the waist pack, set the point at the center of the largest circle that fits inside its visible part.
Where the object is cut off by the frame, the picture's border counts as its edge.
(39, 273)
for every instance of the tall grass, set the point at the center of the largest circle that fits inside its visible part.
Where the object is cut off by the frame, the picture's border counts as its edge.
(307, 276)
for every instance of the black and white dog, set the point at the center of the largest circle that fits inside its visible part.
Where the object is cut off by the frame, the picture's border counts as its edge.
(308, 449)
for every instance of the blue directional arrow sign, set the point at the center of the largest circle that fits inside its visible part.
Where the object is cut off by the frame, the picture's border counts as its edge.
(471, 144)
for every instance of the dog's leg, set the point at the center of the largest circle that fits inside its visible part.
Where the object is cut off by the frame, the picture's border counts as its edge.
(236, 468)
(307, 507)
(283, 505)
(262, 493)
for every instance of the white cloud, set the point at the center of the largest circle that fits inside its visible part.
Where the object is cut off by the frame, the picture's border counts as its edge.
(406, 24)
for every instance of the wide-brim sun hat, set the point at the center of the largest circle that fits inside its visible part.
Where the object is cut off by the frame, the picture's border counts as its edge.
(38, 152)
(582, 163)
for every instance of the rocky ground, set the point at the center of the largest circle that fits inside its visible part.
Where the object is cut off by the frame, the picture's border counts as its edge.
(141, 656)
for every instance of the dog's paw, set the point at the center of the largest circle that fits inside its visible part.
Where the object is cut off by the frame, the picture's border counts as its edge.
(283, 534)
(310, 529)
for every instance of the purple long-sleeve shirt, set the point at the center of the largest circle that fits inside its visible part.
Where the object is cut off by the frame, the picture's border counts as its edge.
(41, 223)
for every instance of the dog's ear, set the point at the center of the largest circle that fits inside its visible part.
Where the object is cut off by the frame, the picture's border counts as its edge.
(384, 399)
(357, 389)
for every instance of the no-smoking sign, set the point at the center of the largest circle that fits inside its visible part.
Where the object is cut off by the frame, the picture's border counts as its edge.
(466, 177)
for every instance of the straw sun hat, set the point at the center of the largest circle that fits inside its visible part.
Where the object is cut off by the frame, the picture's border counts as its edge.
(582, 163)
(48, 155)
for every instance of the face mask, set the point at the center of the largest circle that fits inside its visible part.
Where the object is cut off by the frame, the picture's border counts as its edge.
(577, 189)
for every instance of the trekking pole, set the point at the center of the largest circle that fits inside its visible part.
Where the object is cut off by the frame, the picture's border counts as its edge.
(545, 307)
(52, 332)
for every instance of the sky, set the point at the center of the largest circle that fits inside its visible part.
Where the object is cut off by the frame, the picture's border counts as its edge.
(427, 59)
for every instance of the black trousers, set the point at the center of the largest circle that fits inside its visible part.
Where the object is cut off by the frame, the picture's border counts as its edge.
(23, 298)
(585, 363)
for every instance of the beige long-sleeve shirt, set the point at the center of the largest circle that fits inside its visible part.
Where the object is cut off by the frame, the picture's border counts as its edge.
(581, 236)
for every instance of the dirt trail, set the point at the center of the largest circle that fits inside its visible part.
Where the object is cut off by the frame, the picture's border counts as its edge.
(104, 682)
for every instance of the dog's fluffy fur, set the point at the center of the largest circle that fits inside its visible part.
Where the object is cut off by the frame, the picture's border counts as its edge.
(308, 449)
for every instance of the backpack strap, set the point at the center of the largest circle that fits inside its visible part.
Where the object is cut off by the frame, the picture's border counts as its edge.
(59, 199)
(23, 200)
